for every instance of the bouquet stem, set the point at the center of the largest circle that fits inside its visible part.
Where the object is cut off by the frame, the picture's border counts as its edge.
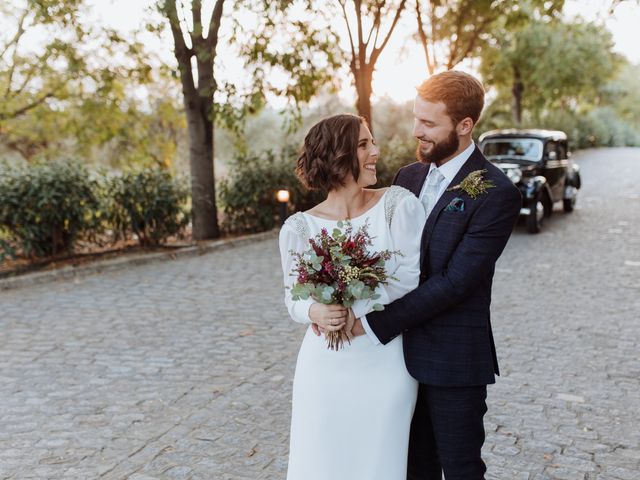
(336, 340)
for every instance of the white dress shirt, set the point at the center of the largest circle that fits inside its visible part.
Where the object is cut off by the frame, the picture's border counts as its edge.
(449, 170)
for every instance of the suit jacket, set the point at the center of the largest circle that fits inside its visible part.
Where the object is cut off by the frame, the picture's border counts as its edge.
(445, 321)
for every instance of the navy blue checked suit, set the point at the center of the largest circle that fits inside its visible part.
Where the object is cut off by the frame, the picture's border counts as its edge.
(445, 322)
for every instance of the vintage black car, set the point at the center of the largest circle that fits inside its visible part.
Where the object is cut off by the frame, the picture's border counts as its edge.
(538, 162)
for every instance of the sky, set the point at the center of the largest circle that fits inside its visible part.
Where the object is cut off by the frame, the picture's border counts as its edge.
(401, 66)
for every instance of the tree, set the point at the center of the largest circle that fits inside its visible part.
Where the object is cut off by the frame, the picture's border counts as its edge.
(623, 94)
(73, 92)
(366, 46)
(198, 104)
(207, 99)
(30, 79)
(453, 30)
(551, 65)
(614, 4)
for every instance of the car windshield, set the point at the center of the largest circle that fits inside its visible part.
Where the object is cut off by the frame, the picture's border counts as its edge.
(523, 149)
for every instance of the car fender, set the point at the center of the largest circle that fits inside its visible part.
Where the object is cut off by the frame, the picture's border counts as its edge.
(535, 186)
(573, 176)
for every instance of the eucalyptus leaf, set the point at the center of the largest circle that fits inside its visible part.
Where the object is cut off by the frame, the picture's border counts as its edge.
(345, 260)
(355, 288)
(300, 291)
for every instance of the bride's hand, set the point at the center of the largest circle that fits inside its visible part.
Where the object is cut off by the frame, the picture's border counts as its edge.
(328, 318)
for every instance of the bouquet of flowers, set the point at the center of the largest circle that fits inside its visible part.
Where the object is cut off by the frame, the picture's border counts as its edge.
(338, 269)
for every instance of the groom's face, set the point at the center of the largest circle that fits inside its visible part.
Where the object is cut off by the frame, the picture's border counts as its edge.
(437, 136)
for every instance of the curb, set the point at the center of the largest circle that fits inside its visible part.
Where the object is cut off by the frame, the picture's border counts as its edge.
(112, 265)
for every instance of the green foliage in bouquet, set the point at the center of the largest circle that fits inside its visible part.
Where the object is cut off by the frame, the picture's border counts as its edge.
(338, 268)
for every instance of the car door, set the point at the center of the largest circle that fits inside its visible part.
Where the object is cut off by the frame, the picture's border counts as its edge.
(563, 157)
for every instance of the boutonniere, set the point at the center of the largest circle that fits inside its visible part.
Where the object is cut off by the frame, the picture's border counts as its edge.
(473, 184)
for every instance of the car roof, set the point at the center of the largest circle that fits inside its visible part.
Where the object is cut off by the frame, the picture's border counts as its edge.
(527, 133)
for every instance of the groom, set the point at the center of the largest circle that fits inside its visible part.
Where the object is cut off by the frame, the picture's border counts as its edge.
(445, 322)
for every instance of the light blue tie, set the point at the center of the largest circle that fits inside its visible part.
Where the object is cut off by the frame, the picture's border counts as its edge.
(429, 195)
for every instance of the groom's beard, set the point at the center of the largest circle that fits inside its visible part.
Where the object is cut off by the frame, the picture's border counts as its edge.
(440, 150)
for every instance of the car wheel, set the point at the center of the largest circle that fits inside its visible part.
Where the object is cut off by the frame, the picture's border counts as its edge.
(577, 181)
(548, 206)
(568, 204)
(535, 217)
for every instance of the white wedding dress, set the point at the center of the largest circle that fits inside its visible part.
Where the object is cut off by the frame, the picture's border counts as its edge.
(352, 408)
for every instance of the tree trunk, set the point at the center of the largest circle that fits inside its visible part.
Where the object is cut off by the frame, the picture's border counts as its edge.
(198, 104)
(203, 194)
(364, 78)
(361, 68)
(516, 90)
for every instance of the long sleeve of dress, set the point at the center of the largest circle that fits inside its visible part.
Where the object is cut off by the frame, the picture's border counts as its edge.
(405, 232)
(289, 241)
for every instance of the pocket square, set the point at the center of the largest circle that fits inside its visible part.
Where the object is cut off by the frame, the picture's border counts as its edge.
(456, 205)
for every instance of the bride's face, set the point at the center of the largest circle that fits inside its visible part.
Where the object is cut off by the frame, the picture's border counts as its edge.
(367, 157)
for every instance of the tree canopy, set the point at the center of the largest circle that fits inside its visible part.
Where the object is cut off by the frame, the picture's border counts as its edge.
(70, 89)
(547, 65)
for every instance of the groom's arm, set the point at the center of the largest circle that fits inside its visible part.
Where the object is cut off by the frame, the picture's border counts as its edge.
(471, 262)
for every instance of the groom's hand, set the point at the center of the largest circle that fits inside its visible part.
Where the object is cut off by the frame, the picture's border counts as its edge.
(357, 329)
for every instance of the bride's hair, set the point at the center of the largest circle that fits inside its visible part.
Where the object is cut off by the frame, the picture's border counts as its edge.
(330, 152)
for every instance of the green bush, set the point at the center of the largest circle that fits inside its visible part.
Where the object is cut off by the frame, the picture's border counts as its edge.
(150, 204)
(394, 155)
(6, 250)
(599, 127)
(45, 208)
(248, 195)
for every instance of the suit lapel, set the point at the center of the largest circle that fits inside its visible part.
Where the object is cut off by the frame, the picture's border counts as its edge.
(475, 162)
(415, 182)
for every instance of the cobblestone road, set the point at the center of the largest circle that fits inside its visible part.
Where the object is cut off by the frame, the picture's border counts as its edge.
(183, 369)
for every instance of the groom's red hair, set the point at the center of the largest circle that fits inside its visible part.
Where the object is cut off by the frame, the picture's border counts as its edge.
(462, 93)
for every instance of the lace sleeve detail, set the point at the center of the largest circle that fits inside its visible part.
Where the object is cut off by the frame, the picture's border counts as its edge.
(299, 224)
(394, 196)
(294, 237)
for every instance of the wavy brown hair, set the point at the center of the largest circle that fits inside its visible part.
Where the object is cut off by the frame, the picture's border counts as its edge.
(330, 153)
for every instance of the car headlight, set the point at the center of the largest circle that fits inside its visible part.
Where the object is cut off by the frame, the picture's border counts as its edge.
(514, 174)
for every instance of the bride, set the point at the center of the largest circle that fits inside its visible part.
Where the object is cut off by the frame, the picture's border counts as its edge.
(352, 408)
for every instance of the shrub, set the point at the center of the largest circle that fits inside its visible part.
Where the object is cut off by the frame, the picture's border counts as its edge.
(6, 250)
(148, 203)
(45, 208)
(598, 127)
(248, 194)
(394, 155)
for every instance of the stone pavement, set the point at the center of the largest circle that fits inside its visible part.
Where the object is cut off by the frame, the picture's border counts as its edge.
(183, 369)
